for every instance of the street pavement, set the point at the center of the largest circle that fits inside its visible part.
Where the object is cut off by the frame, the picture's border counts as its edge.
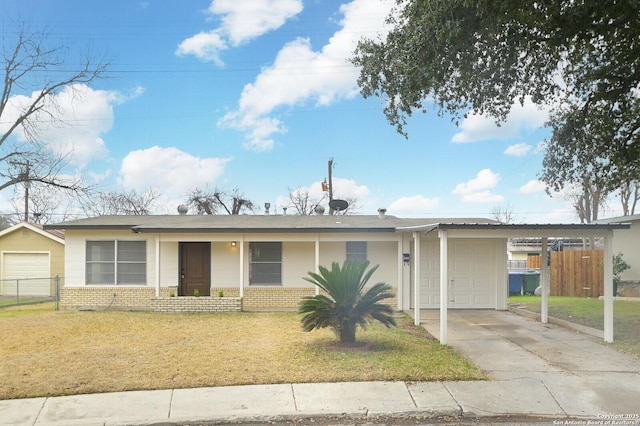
(537, 371)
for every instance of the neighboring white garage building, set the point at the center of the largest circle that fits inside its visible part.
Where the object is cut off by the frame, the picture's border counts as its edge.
(30, 256)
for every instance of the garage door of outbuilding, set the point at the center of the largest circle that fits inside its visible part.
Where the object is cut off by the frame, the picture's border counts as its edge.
(26, 273)
(471, 274)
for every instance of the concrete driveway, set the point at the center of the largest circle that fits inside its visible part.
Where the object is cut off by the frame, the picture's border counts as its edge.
(585, 377)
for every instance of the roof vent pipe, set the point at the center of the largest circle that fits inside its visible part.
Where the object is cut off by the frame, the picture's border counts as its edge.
(182, 209)
(267, 206)
(381, 213)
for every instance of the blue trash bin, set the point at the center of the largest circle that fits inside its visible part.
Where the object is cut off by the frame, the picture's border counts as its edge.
(516, 283)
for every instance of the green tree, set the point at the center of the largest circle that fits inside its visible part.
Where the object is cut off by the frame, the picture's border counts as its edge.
(600, 144)
(485, 54)
(347, 304)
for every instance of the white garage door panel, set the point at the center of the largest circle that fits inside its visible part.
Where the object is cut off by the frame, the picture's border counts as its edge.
(29, 269)
(471, 272)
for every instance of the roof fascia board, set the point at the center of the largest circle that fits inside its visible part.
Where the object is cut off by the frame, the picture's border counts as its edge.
(31, 228)
(142, 230)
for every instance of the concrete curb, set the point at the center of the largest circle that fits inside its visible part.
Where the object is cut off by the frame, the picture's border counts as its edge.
(562, 323)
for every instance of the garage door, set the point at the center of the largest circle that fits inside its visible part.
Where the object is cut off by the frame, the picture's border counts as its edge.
(26, 273)
(471, 274)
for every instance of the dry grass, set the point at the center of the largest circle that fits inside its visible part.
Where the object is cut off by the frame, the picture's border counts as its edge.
(46, 353)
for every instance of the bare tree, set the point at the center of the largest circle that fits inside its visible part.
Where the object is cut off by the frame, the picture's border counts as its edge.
(587, 199)
(123, 203)
(629, 196)
(503, 214)
(205, 201)
(40, 203)
(5, 221)
(31, 66)
(302, 201)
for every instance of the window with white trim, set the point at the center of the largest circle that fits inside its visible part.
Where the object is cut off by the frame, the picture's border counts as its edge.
(357, 250)
(116, 262)
(265, 263)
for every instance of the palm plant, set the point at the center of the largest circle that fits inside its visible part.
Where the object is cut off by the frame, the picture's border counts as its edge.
(346, 304)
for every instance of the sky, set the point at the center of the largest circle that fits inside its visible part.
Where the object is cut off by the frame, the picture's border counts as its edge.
(258, 96)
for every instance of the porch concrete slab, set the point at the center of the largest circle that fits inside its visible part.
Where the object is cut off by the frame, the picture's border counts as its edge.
(232, 403)
(20, 411)
(434, 399)
(364, 398)
(494, 398)
(135, 406)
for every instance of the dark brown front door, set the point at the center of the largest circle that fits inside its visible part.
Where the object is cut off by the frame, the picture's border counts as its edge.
(195, 268)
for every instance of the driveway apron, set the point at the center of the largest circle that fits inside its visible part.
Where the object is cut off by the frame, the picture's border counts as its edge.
(584, 376)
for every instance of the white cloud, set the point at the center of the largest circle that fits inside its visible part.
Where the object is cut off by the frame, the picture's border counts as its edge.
(478, 190)
(345, 189)
(204, 45)
(83, 116)
(415, 204)
(170, 171)
(241, 21)
(532, 187)
(518, 150)
(525, 117)
(348, 188)
(300, 74)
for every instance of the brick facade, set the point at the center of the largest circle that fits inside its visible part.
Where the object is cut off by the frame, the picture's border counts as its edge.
(123, 298)
(277, 298)
(196, 304)
(143, 298)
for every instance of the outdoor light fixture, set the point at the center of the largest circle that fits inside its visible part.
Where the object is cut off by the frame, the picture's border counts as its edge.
(233, 243)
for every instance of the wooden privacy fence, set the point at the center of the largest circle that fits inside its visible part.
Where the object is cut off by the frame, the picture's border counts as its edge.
(577, 273)
(534, 261)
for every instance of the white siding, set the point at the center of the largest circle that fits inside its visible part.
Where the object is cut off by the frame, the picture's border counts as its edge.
(298, 251)
(627, 242)
(75, 253)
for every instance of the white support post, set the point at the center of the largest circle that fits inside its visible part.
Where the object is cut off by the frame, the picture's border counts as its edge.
(444, 278)
(399, 286)
(608, 288)
(158, 265)
(317, 260)
(544, 283)
(241, 260)
(416, 278)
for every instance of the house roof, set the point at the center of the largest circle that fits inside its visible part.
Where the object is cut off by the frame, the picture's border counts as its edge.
(54, 234)
(253, 223)
(323, 223)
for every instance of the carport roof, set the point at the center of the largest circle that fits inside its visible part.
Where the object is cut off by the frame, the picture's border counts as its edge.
(507, 230)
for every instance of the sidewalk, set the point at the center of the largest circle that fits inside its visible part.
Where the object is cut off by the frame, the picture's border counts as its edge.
(287, 401)
(539, 370)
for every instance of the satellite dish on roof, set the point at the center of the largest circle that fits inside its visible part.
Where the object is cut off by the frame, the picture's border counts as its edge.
(338, 205)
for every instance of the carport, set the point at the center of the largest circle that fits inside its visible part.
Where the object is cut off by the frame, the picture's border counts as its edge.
(451, 231)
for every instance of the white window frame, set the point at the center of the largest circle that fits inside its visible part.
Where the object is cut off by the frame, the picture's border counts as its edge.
(252, 279)
(356, 250)
(116, 262)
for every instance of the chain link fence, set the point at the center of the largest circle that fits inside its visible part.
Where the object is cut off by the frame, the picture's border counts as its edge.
(24, 291)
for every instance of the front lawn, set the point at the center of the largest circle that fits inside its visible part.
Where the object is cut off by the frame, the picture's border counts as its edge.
(47, 353)
(590, 312)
